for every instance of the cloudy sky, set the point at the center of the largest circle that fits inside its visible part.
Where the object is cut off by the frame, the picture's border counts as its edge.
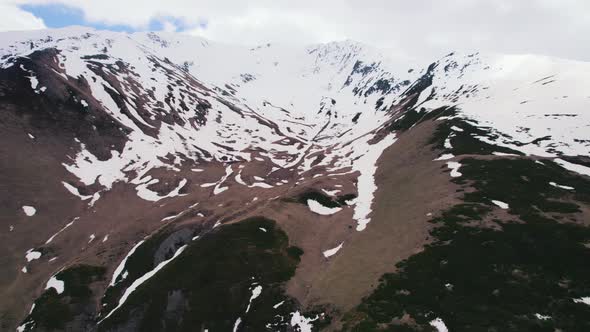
(421, 28)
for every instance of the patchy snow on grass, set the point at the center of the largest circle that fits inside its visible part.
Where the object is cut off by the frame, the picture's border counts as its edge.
(121, 265)
(333, 251)
(32, 255)
(584, 300)
(573, 167)
(303, 323)
(141, 280)
(501, 204)
(29, 210)
(58, 285)
(318, 208)
(561, 186)
(439, 325)
(454, 166)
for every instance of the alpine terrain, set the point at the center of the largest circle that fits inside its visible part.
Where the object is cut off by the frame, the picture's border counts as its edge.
(164, 182)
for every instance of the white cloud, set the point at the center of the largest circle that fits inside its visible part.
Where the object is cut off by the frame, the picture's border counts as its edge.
(427, 28)
(14, 18)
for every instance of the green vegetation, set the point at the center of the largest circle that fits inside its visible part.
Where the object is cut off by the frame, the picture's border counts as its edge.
(210, 284)
(497, 278)
(53, 311)
(137, 265)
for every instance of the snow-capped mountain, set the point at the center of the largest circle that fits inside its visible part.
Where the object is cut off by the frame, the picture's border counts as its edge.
(124, 154)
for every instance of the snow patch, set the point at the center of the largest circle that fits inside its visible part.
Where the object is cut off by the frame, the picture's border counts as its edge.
(121, 265)
(584, 300)
(58, 285)
(561, 186)
(32, 255)
(439, 325)
(303, 323)
(333, 251)
(255, 293)
(573, 167)
(454, 166)
(445, 156)
(501, 204)
(29, 210)
(318, 208)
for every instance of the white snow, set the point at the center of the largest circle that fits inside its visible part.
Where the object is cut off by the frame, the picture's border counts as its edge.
(256, 291)
(333, 251)
(331, 192)
(318, 208)
(141, 280)
(501, 204)
(278, 304)
(448, 143)
(61, 230)
(584, 300)
(74, 191)
(445, 156)
(366, 165)
(32, 255)
(561, 186)
(31, 136)
(262, 229)
(542, 317)
(29, 210)
(580, 169)
(439, 325)
(454, 166)
(502, 154)
(121, 265)
(95, 198)
(91, 238)
(303, 323)
(237, 324)
(58, 285)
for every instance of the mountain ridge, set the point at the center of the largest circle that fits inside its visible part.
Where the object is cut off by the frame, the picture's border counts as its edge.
(194, 137)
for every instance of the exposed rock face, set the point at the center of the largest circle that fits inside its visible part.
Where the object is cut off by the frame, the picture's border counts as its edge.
(318, 183)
